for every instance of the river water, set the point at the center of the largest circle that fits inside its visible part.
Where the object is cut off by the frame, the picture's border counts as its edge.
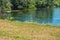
(42, 16)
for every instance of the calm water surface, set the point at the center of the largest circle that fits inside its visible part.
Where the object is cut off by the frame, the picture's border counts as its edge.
(42, 16)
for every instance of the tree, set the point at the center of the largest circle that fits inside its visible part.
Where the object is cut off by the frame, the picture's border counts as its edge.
(6, 5)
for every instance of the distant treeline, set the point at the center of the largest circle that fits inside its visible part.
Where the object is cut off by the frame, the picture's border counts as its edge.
(28, 4)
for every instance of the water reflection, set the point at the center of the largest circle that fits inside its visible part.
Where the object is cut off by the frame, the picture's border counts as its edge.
(43, 16)
(56, 16)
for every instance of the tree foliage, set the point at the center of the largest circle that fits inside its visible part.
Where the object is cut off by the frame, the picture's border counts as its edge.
(32, 4)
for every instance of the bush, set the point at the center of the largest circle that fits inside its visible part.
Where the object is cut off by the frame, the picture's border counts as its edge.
(10, 18)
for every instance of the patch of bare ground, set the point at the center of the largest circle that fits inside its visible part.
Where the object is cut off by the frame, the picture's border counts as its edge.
(6, 38)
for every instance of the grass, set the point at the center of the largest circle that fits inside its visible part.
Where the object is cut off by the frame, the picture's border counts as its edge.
(15, 30)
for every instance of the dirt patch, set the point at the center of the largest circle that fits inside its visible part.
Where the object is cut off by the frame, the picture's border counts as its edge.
(6, 38)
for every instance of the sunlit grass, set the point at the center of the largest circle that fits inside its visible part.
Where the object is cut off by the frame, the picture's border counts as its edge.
(28, 31)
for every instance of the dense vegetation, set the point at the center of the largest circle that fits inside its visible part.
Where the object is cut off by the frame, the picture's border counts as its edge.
(30, 4)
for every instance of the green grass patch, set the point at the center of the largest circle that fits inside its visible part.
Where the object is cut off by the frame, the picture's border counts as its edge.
(28, 31)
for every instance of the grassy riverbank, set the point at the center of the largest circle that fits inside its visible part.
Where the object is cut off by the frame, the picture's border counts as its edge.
(28, 31)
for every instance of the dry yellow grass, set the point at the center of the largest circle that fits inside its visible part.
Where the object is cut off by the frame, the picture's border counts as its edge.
(28, 31)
